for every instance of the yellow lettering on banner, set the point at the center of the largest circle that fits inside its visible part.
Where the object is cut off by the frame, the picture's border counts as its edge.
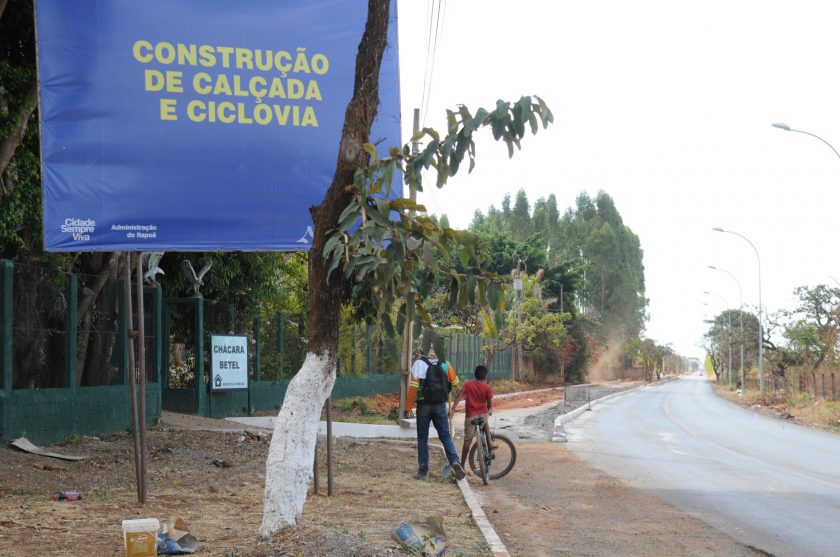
(320, 64)
(257, 87)
(174, 81)
(313, 91)
(294, 88)
(167, 109)
(187, 54)
(199, 86)
(193, 111)
(226, 112)
(154, 80)
(264, 59)
(241, 116)
(282, 114)
(262, 114)
(171, 81)
(241, 113)
(222, 86)
(225, 52)
(142, 51)
(309, 118)
(244, 58)
(276, 89)
(280, 65)
(301, 63)
(165, 53)
(237, 87)
(206, 56)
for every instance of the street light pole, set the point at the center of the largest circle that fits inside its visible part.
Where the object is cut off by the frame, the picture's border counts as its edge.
(783, 126)
(760, 328)
(740, 319)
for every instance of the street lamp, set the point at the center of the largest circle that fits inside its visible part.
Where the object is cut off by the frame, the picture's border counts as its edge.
(760, 327)
(783, 126)
(728, 334)
(740, 318)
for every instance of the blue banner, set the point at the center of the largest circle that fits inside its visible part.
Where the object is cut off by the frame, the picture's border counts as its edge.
(197, 125)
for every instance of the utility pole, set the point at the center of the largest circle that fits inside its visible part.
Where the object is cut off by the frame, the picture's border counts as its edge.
(517, 286)
(407, 341)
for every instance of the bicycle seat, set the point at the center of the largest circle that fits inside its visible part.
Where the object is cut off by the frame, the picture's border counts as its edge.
(479, 421)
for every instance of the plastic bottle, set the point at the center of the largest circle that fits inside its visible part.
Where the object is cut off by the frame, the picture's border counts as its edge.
(67, 496)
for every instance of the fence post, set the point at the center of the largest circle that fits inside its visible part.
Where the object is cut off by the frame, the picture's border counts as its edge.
(257, 355)
(124, 326)
(367, 344)
(7, 278)
(833, 392)
(198, 338)
(160, 342)
(72, 330)
(281, 344)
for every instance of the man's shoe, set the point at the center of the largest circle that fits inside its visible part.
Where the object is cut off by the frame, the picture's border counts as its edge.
(459, 471)
(420, 476)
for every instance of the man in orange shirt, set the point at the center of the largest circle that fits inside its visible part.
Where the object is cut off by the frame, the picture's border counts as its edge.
(424, 373)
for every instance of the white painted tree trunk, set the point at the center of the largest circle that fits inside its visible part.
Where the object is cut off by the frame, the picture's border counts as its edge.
(292, 452)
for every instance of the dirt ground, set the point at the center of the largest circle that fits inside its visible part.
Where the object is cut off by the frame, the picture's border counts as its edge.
(551, 504)
(214, 481)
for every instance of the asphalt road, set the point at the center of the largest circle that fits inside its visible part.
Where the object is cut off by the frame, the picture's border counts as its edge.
(766, 482)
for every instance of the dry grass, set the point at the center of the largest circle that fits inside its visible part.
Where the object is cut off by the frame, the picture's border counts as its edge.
(808, 411)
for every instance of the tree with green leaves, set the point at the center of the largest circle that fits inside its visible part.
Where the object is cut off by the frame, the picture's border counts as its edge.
(614, 286)
(813, 333)
(377, 253)
(525, 321)
(520, 218)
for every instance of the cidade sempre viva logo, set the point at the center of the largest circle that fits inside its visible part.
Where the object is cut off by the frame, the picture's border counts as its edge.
(80, 229)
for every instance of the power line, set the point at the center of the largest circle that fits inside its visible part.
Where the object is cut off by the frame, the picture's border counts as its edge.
(436, 19)
(429, 12)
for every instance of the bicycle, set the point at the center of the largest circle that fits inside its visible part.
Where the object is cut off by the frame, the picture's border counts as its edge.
(482, 458)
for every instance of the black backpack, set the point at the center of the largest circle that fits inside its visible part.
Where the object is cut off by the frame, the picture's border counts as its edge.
(436, 386)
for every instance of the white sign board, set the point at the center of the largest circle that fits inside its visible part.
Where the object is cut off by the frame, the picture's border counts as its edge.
(229, 362)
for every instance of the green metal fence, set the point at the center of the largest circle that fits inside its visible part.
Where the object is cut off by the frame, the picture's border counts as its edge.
(61, 373)
(64, 374)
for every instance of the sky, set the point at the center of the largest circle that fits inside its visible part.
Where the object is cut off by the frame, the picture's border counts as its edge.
(666, 106)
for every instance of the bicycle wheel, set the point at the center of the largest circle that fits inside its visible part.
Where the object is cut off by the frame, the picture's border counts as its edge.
(483, 458)
(478, 464)
(504, 456)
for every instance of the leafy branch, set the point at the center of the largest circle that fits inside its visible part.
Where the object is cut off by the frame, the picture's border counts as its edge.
(385, 248)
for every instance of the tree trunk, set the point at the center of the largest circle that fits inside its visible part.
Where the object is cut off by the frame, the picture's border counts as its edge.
(10, 143)
(86, 309)
(292, 451)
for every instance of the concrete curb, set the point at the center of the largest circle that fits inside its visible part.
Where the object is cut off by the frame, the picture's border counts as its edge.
(497, 547)
(559, 436)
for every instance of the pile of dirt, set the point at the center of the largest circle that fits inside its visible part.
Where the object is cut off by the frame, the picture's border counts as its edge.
(214, 481)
